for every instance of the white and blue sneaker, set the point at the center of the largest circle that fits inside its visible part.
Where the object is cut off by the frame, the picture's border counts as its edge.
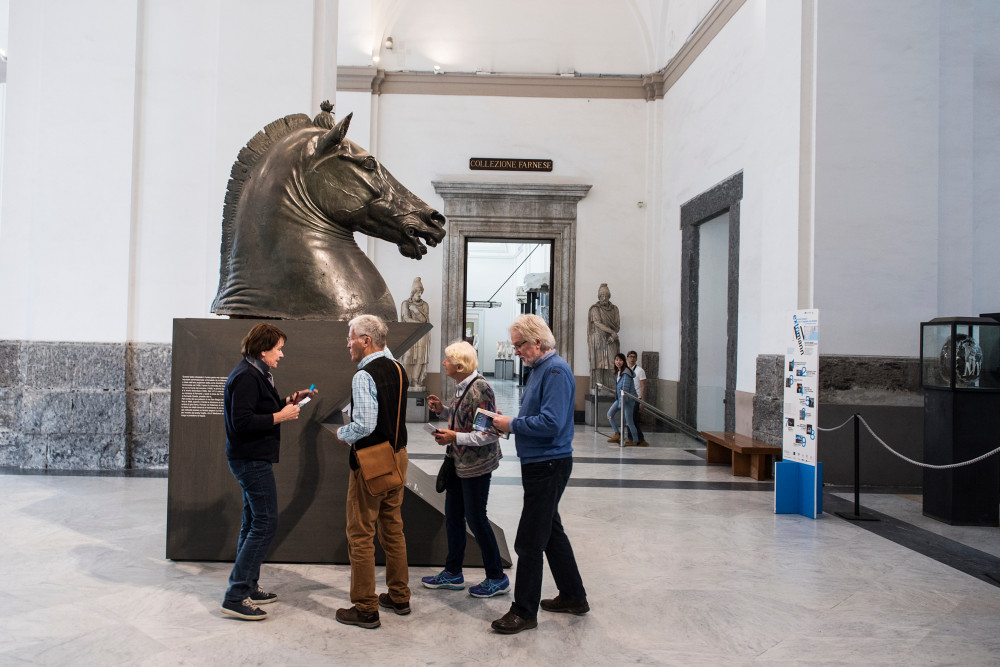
(491, 587)
(445, 579)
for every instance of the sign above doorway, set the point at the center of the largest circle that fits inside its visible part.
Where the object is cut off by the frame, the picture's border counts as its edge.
(508, 164)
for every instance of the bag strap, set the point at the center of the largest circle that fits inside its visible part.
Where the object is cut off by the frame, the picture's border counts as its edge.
(399, 413)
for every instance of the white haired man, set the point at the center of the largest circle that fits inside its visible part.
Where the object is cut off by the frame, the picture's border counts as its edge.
(543, 433)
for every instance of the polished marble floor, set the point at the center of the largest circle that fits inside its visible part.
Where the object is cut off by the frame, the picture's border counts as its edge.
(684, 565)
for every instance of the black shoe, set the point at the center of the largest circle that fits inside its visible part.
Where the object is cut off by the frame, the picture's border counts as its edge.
(401, 608)
(511, 624)
(243, 609)
(564, 606)
(261, 597)
(362, 619)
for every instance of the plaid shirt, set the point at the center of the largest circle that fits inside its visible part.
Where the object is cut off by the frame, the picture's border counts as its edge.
(364, 417)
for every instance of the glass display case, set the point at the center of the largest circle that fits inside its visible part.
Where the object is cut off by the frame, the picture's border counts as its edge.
(960, 353)
(960, 374)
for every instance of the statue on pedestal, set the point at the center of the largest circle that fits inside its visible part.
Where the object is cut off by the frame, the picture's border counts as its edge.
(603, 324)
(415, 309)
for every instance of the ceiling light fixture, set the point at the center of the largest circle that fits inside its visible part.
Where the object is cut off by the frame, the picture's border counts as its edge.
(388, 43)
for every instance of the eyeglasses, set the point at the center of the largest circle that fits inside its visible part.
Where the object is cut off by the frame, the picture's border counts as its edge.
(351, 340)
(517, 346)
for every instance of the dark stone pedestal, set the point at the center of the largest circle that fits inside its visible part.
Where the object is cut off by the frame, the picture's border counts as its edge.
(204, 503)
(503, 369)
(960, 426)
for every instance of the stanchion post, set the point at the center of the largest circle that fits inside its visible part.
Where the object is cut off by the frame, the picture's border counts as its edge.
(857, 515)
(621, 420)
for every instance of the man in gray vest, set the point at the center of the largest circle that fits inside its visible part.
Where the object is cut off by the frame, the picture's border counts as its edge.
(378, 413)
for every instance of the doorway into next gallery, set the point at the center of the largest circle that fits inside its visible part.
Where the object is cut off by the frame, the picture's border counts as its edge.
(504, 278)
(512, 213)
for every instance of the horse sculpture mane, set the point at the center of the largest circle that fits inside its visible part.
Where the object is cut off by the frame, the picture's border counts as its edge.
(238, 175)
(297, 192)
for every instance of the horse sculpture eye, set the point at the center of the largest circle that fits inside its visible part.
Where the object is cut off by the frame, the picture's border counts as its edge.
(369, 163)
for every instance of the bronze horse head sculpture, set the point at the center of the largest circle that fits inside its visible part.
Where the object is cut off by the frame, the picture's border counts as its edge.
(297, 193)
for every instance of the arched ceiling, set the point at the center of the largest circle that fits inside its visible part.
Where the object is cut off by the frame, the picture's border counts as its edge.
(613, 37)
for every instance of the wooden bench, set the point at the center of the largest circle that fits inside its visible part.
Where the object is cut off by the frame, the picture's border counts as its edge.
(750, 458)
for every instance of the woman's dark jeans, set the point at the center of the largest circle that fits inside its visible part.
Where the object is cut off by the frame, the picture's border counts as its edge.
(260, 520)
(466, 501)
(541, 531)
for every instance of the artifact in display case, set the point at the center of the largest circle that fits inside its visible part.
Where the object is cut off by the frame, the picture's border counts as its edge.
(960, 353)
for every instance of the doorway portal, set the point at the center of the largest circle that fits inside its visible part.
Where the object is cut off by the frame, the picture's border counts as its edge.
(504, 279)
(514, 212)
(712, 220)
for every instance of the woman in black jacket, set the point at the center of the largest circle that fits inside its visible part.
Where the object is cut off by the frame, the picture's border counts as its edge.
(253, 410)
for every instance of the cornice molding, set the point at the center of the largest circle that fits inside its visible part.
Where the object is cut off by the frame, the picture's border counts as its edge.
(713, 23)
(649, 87)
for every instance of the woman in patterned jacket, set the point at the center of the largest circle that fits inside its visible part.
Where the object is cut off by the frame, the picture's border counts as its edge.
(476, 455)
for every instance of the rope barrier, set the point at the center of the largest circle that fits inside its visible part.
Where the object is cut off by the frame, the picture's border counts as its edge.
(906, 458)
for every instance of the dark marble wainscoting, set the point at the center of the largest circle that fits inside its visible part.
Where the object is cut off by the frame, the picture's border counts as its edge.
(885, 391)
(84, 406)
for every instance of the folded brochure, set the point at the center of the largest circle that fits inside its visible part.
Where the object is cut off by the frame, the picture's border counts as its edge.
(483, 421)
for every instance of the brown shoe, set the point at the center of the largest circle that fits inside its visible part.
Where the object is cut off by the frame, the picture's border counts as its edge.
(401, 608)
(362, 619)
(629, 443)
(643, 444)
(564, 606)
(615, 438)
(511, 624)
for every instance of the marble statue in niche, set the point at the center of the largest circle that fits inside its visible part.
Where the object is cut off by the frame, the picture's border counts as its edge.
(415, 309)
(603, 324)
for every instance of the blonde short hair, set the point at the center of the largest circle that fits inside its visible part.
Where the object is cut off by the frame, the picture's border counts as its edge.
(463, 355)
(533, 327)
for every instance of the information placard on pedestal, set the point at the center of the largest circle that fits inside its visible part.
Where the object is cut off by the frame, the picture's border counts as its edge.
(798, 476)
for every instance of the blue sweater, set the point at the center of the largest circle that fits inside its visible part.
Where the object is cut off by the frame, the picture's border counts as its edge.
(544, 426)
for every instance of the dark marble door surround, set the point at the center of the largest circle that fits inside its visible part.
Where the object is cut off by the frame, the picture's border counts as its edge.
(718, 199)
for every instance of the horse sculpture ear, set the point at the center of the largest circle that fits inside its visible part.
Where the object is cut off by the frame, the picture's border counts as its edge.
(330, 140)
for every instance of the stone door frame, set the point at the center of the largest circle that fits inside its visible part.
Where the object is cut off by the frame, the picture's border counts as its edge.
(725, 196)
(510, 211)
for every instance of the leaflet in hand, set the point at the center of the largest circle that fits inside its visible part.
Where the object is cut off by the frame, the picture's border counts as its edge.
(303, 401)
(430, 428)
(483, 421)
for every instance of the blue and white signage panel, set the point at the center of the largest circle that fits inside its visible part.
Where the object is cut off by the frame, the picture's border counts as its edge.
(801, 395)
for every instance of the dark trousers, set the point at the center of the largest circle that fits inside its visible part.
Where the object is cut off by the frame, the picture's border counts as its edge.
(466, 502)
(639, 437)
(541, 531)
(260, 521)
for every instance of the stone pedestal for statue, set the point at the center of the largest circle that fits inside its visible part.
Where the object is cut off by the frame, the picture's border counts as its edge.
(603, 405)
(204, 502)
(416, 407)
(503, 369)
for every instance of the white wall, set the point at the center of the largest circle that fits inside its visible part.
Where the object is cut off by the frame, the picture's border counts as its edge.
(736, 109)
(598, 142)
(67, 181)
(907, 162)
(198, 107)
(877, 147)
(122, 126)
